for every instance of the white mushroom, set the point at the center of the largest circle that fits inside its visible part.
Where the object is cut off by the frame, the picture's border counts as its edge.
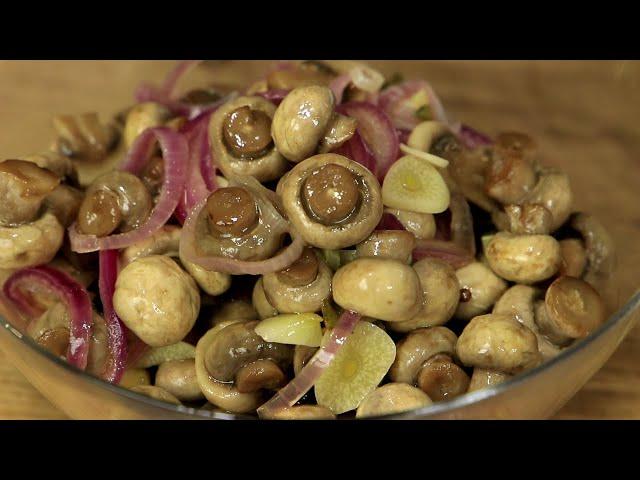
(392, 398)
(484, 287)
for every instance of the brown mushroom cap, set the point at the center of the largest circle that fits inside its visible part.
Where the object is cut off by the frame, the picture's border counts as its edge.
(264, 164)
(509, 178)
(392, 398)
(362, 217)
(574, 257)
(442, 379)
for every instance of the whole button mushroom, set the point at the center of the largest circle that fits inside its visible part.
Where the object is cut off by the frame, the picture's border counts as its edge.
(300, 288)
(59, 164)
(157, 300)
(510, 176)
(84, 137)
(28, 235)
(380, 288)
(552, 191)
(483, 378)
(441, 292)
(392, 244)
(392, 398)
(529, 219)
(523, 258)
(574, 257)
(178, 377)
(573, 309)
(240, 139)
(519, 302)
(421, 225)
(141, 117)
(498, 342)
(333, 202)
(483, 286)
(64, 202)
(301, 120)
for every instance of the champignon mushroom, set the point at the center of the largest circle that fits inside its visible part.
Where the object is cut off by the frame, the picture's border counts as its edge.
(483, 378)
(519, 302)
(442, 379)
(64, 202)
(574, 257)
(30, 244)
(498, 342)
(600, 249)
(240, 138)
(422, 225)
(59, 164)
(114, 200)
(301, 287)
(258, 375)
(380, 288)
(572, 309)
(301, 75)
(234, 310)
(392, 398)
(178, 377)
(156, 393)
(340, 129)
(301, 121)
(510, 177)
(300, 412)
(261, 303)
(416, 348)
(529, 219)
(224, 352)
(157, 300)
(552, 191)
(84, 137)
(523, 258)
(333, 202)
(392, 244)
(483, 286)
(240, 221)
(441, 292)
(141, 117)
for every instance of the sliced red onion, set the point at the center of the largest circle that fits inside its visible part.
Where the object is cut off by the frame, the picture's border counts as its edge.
(338, 85)
(394, 99)
(75, 297)
(275, 96)
(116, 331)
(175, 154)
(358, 151)
(307, 377)
(446, 251)
(389, 222)
(403, 136)
(471, 137)
(377, 131)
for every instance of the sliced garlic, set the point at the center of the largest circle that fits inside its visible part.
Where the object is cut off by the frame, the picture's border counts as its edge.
(415, 185)
(429, 157)
(292, 329)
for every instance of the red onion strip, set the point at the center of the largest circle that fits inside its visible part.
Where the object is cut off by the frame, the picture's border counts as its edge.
(394, 99)
(338, 85)
(305, 380)
(175, 153)
(275, 96)
(471, 137)
(357, 150)
(75, 297)
(116, 337)
(446, 251)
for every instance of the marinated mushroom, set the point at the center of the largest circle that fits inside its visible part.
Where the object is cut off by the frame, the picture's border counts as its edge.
(301, 75)
(391, 244)
(301, 121)
(261, 303)
(574, 257)
(178, 377)
(483, 378)
(413, 351)
(599, 247)
(441, 292)
(333, 202)
(240, 139)
(302, 287)
(156, 393)
(301, 412)
(553, 192)
(441, 379)
(529, 219)
(498, 342)
(483, 286)
(114, 201)
(523, 258)
(84, 137)
(421, 225)
(301, 355)
(392, 398)
(141, 117)
(509, 177)
(135, 377)
(235, 310)
(61, 165)
(30, 244)
(157, 300)
(64, 202)
(380, 288)
(573, 309)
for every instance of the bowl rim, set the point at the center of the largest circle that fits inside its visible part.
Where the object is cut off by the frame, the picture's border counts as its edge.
(623, 313)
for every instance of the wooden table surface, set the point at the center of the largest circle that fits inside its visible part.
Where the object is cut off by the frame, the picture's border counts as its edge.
(585, 113)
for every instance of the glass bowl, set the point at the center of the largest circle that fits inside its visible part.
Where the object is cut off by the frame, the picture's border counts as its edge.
(582, 113)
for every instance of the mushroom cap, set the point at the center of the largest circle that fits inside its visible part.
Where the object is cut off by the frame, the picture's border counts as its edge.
(418, 347)
(441, 379)
(31, 244)
(485, 287)
(165, 241)
(553, 191)
(422, 225)
(261, 303)
(574, 257)
(523, 258)
(441, 292)
(379, 288)
(392, 244)
(355, 228)
(156, 393)
(267, 167)
(64, 202)
(237, 310)
(178, 377)
(303, 299)
(301, 120)
(483, 378)
(392, 398)
(142, 116)
(498, 342)
(156, 299)
(600, 249)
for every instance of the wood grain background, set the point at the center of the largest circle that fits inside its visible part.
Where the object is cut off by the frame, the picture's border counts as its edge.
(585, 115)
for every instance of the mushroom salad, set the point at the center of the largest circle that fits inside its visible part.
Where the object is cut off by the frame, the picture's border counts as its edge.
(325, 243)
